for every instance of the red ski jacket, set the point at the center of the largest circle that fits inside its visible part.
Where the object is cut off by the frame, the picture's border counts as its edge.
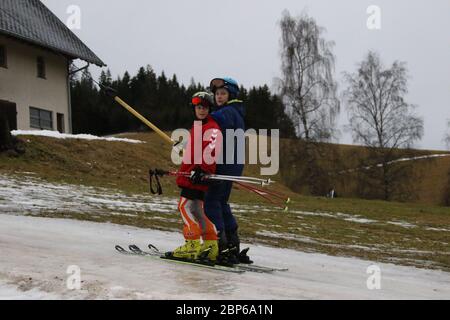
(203, 147)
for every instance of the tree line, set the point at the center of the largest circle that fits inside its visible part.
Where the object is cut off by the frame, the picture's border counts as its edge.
(162, 100)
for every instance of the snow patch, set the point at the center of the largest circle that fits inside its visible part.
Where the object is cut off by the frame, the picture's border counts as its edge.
(285, 236)
(29, 195)
(403, 224)
(437, 229)
(338, 215)
(58, 135)
(379, 165)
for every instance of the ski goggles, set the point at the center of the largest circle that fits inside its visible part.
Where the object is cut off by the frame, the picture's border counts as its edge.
(218, 83)
(198, 101)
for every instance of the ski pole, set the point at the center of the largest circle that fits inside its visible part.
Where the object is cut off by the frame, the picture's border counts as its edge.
(259, 193)
(250, 180)
(232, 179)
(264, 181)
(268, 195)
(280, 200)
(278, 195)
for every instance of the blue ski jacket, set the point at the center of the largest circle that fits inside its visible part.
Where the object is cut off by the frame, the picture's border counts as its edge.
(231, 116)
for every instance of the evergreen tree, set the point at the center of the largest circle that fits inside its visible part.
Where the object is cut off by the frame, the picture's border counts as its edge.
(163, 101)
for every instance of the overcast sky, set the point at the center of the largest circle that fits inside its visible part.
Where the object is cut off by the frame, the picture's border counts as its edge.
(203, 39)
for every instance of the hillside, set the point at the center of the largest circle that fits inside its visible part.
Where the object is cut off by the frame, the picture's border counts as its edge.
(430, 171)
(108, 180)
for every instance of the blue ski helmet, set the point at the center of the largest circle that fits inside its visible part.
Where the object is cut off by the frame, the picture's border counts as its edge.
(229, 84)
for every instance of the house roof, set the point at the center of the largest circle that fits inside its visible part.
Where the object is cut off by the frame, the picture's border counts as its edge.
(33, 22)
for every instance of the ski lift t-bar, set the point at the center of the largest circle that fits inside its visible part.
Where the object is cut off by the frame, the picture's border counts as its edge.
(113, 93)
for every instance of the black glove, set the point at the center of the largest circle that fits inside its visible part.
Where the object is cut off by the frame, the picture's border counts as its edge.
(198, 176)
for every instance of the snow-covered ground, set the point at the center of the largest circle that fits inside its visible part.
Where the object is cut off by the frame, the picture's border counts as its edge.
(25, 194)
(58, 135)
(37, 252)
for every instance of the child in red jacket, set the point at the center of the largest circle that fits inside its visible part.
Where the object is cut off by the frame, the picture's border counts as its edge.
(200, 159)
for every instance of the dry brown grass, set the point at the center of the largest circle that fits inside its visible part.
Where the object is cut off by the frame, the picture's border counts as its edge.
(430, 184)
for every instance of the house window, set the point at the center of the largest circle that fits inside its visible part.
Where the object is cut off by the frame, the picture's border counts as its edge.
(41, 119)
(41, 67)
(3, 61)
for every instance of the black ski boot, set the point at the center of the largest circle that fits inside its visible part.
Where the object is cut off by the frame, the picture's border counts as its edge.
(233, 254)
(244, 258)
(234, 246)
(223, 258)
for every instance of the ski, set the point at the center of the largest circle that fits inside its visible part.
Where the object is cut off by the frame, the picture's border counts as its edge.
(136, 251)
(244, 267)
(257, 268)
(260, 269)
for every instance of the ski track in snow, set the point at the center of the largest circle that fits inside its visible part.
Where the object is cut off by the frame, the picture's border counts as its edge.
(36, 253)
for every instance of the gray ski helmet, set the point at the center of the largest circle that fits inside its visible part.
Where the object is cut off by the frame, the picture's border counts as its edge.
(205, 99)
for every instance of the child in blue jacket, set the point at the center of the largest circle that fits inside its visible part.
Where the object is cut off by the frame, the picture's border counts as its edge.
(229, 115)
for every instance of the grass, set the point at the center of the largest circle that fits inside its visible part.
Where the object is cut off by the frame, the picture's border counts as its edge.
(313, 224)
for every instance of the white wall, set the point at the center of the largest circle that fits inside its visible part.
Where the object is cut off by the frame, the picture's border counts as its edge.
(19, 82)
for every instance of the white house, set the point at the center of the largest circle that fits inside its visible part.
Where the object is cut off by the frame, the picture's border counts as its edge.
(36, 50)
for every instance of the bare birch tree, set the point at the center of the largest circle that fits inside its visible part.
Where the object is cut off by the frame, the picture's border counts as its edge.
(307, 83)
(380, 118)
(308, 87)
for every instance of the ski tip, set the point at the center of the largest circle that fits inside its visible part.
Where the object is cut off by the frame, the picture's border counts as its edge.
(120, 249)
(152, 247)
